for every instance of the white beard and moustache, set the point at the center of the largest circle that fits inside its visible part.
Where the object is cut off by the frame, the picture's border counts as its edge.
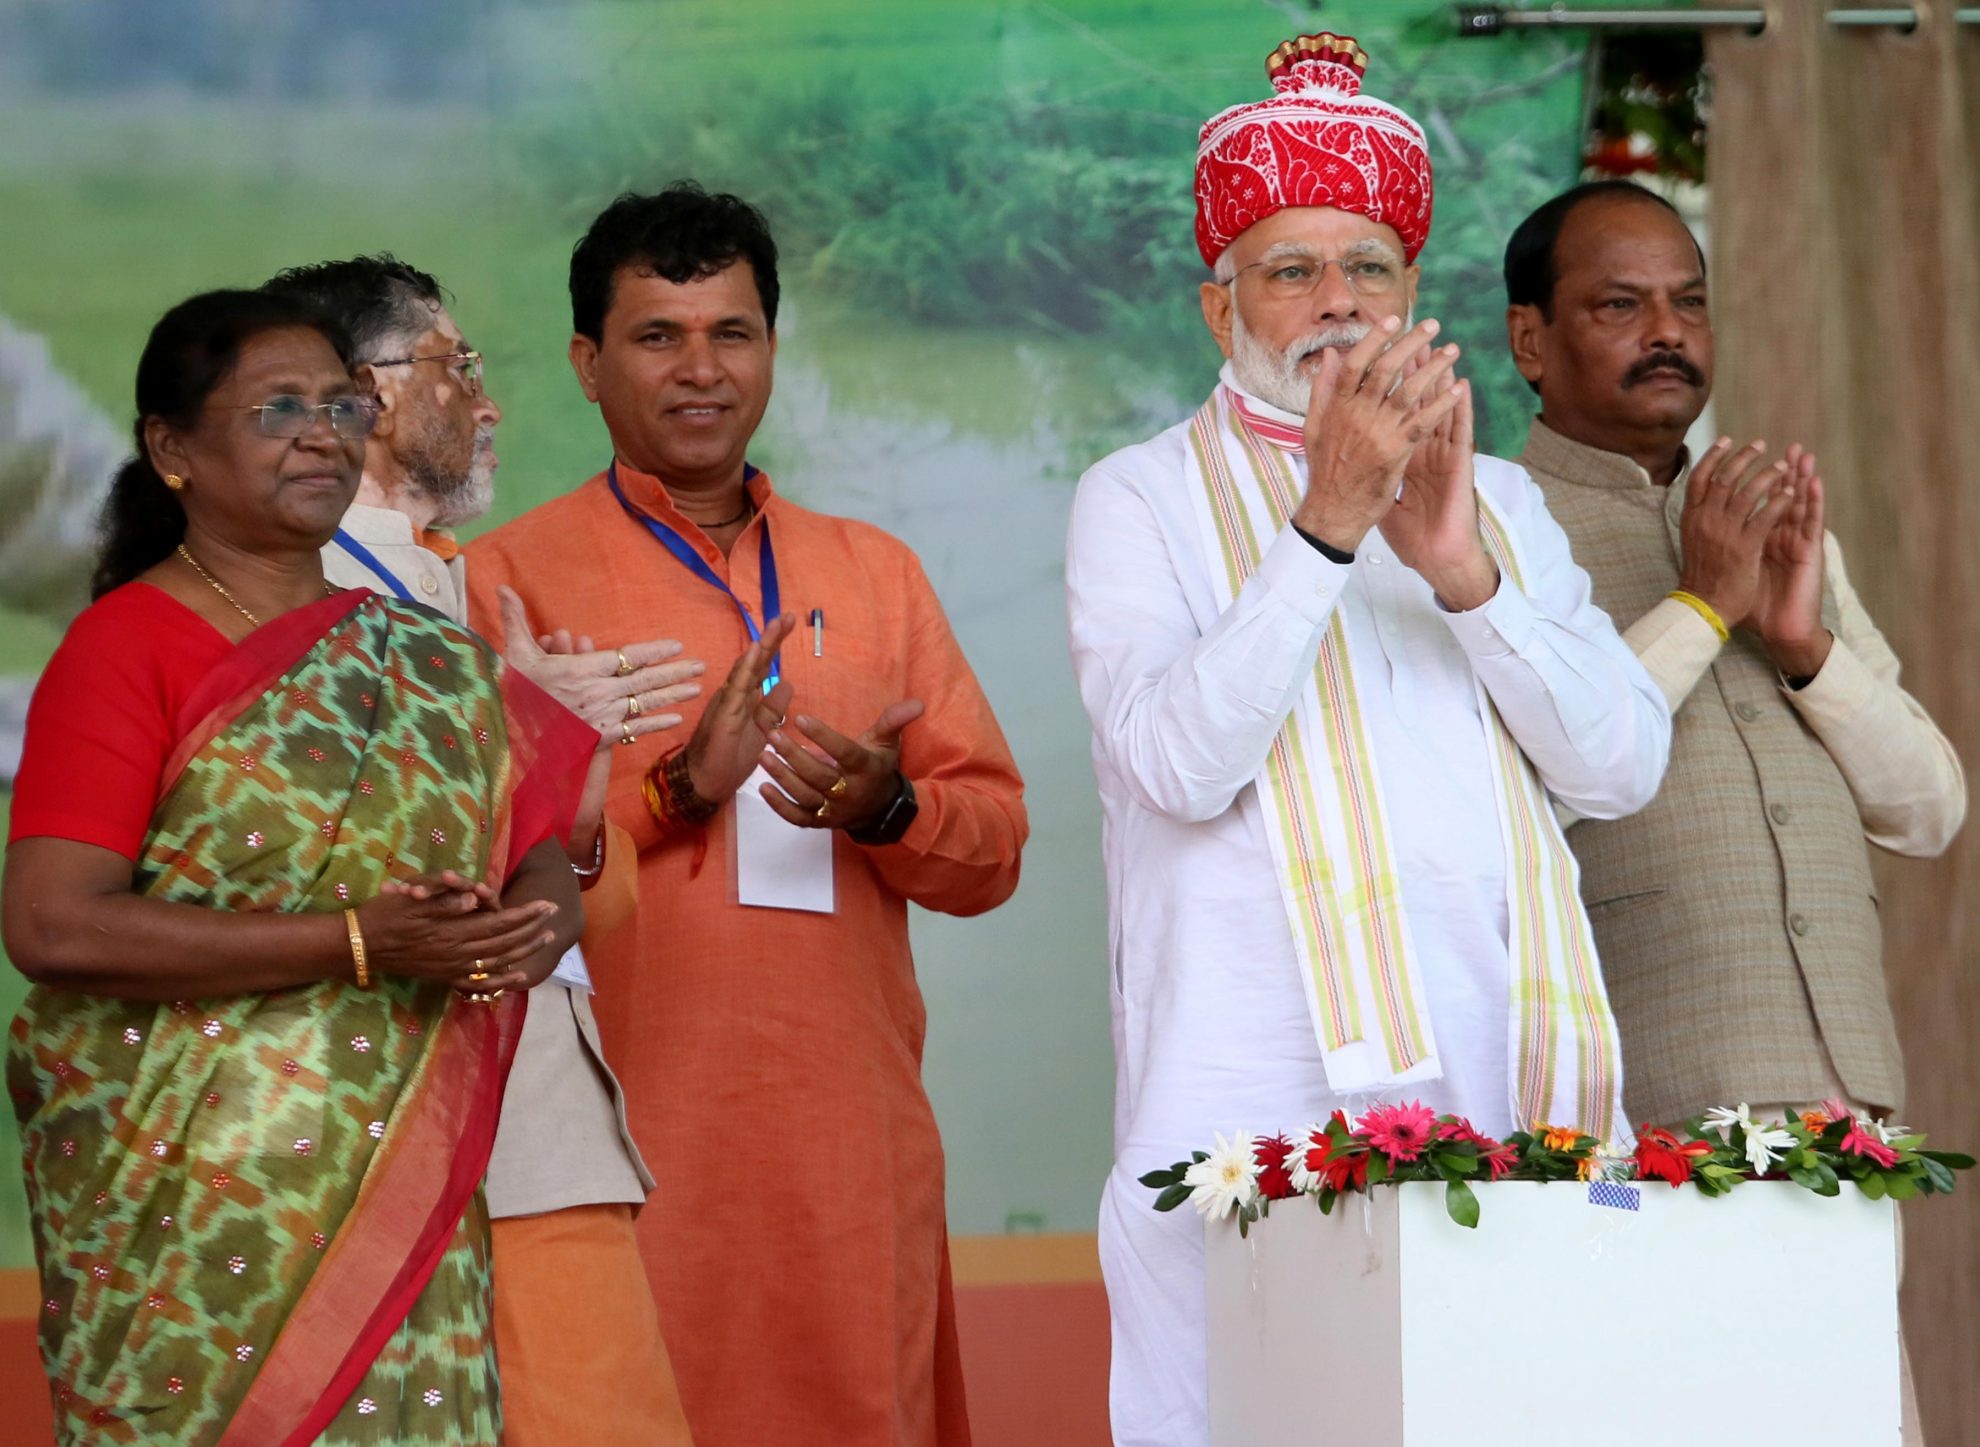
(1284, 378)
(457, 497)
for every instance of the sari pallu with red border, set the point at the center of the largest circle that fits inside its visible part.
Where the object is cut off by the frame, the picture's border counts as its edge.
(258, 1217)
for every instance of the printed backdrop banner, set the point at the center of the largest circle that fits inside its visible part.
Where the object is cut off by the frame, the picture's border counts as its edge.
(985, 214)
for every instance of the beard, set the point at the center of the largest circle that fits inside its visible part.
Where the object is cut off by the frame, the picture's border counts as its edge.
(1285, 378)
(459, 492)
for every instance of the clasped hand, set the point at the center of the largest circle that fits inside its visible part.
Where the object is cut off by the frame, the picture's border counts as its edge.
(824, 779)
(1389, 445)
(446, 927)
(1751, 535)
(587, 680)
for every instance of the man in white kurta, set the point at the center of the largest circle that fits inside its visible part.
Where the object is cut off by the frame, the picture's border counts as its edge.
(1190, 680)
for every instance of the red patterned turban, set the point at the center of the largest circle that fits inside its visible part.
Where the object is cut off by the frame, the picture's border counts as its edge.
(1317, 142)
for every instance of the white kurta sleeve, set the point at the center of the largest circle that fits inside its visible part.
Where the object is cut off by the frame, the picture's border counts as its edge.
(1900, 768)
(1578, 702)
(1185, 714)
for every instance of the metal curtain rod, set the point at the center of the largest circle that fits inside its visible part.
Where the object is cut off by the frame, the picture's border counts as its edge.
(1495, 19)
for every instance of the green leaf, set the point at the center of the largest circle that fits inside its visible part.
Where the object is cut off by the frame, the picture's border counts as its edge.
(1173, 1197)
(1326, 1199)
(1830, 1186)
(1155, 1180)
(1378, 1168)
(1952, 1160)
(1807, 1179)
(1900, 1187)
(1461, 1202)
(1937, 1177)
(1872, 1186)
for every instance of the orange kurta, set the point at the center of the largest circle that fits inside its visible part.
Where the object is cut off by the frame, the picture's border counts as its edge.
(772, 1058)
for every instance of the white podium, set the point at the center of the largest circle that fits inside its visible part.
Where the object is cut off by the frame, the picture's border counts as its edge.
(1558, 1320)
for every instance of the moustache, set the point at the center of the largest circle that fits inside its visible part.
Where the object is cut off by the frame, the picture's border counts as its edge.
(1339, 338)
(1663, 362)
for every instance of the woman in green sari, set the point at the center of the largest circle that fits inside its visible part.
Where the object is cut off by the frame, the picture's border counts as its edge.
(282, 862)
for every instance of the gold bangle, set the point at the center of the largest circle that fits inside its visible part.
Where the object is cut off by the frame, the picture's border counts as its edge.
(1704, 610)
(360, 966)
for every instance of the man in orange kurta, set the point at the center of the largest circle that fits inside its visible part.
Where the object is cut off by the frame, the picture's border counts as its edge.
(771, 1057)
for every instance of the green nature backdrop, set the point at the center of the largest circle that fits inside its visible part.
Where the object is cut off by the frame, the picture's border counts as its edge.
(985, 209)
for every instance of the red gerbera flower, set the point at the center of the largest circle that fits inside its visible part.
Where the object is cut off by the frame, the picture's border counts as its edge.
(1858, 1143)
(1399, 1132)
(1663, 1155)
(1339, 1166)
(1274, 1154)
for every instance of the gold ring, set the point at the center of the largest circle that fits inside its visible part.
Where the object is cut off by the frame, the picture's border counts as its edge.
(624, 667)
(633, 710)
(626, 735)
(487, 997)
(838, 789)
(824, 811)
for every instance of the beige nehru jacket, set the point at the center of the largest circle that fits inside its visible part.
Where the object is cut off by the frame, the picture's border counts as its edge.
(1735, 915)
(563, 1138)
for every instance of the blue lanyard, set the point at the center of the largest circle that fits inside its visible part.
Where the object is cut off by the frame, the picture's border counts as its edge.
(369, 559)
(684, 551)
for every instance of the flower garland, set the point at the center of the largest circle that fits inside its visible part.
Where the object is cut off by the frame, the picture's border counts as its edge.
(1818, 1150)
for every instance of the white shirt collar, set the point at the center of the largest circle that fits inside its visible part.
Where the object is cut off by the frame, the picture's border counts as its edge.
(379, 525)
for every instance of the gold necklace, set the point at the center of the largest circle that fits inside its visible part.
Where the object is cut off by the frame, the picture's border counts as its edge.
(221, 589)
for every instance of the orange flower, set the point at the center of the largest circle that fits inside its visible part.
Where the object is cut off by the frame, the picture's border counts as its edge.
(1817, 1121)
(1558, 1137)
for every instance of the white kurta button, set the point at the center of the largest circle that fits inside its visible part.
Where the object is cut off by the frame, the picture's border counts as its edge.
(428, 583)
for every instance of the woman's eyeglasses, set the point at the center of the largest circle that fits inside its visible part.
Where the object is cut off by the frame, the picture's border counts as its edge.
(349, 416)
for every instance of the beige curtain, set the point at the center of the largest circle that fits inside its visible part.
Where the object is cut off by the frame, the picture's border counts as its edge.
(1845, 193)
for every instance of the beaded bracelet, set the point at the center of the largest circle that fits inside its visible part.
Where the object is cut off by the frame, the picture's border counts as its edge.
(668, 789)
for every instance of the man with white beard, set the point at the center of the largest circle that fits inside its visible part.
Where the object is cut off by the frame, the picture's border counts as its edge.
(1337, 668)
(430, 463)
(577, 1333)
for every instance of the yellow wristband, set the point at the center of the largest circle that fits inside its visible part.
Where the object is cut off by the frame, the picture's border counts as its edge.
(1704, 610)
(359, 966)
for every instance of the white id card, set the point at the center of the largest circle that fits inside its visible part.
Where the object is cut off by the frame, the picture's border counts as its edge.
(571, 970)
(779, 865)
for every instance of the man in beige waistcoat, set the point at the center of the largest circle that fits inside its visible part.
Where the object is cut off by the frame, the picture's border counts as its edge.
(1736, 915)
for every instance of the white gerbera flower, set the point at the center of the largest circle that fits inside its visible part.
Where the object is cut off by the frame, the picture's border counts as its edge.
(1228, 1180)
(1889, 1133)
(1720, 1119)
(1766, 1144)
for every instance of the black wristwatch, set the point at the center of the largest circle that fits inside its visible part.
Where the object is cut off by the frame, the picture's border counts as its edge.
(894, 821)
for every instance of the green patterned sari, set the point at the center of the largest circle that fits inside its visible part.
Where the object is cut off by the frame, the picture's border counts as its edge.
(258, 1218)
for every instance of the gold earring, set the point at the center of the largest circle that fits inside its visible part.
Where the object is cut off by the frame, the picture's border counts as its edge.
(175, 482)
